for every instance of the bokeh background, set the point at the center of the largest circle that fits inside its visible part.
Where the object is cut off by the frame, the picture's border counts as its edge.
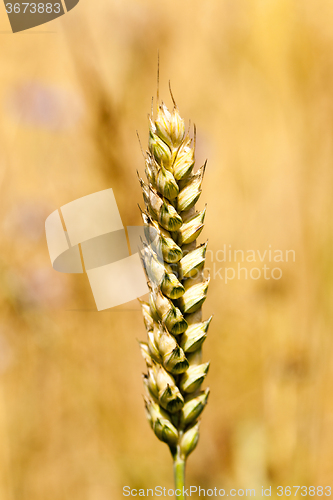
(256, 77)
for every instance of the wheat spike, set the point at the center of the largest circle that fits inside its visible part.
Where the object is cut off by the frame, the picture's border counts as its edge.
(174, 268)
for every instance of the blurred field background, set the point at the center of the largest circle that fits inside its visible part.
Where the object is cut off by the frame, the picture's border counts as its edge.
(256, 77)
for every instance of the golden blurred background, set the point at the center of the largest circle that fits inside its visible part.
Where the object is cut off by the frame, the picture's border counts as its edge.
(256, 77)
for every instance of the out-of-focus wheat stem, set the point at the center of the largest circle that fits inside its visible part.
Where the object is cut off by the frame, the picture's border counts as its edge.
(174, 267)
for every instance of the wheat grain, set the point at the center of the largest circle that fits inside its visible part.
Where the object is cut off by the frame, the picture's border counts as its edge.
(174, 269)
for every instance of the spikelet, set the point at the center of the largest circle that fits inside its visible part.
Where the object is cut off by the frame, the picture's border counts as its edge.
(173, 264)
(193, 407)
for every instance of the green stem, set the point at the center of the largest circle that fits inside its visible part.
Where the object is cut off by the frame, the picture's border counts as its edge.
(179, 473)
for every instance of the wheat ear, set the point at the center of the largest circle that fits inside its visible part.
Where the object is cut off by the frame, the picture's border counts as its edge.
(174, 267)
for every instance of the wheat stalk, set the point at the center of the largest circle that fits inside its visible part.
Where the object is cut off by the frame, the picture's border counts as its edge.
(174, 268)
